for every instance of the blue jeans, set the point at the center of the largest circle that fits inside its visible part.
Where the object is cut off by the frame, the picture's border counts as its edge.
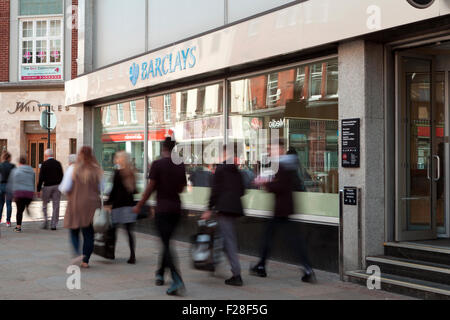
(5, 197)
(88, 243)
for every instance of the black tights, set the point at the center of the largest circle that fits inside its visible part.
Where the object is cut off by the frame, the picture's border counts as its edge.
(131, 240)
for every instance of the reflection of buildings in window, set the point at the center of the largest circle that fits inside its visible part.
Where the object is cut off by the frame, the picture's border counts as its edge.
(273, 93)
(150, 111)
(108, 116)
(120, 114)
(167, 107)
(133, 114)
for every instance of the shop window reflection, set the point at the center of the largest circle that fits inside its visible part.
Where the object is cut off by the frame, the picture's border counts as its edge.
(120, 127)
(303, 107)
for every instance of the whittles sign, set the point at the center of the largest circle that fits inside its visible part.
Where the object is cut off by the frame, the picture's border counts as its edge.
(33, 106)
(170, 63)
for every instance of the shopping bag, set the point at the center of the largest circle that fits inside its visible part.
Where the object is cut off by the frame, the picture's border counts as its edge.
(105, 245)
(102, 220)
(206, 246)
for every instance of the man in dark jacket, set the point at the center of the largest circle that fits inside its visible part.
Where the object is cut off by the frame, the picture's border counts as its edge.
(226, 192)
(282, 186)
(50, 176)
(5, 197)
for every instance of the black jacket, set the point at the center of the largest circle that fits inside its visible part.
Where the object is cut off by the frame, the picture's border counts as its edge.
(119, 196)
(5, 170)
(227, 190)
(282, 186)
(51, 174)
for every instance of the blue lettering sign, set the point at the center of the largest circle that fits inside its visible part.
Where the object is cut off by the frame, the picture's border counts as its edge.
(163, 65)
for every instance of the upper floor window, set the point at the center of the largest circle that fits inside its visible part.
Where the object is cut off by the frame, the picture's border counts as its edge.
(133, 114)
(41, 49)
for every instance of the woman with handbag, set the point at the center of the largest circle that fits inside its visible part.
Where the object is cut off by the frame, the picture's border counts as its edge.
(121, 200)
(83, 185)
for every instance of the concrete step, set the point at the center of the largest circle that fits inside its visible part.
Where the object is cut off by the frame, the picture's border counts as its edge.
(415, 269)
(405, 285)
(418, 252)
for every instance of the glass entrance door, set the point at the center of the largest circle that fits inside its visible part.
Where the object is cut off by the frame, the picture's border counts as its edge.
(420, 181)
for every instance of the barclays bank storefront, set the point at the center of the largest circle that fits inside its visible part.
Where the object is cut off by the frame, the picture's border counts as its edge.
(276, 71)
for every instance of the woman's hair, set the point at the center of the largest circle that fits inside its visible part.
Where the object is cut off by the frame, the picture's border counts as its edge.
(86, 166)
(127, 171)
(6, 156)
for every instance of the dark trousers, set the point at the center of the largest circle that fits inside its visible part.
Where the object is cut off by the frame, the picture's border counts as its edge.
(166, 224)
(22, 204)
(88, 242)
(5, 197)
(131, 240)
(293, 240)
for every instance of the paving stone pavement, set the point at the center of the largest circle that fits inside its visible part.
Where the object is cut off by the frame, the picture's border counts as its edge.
(33, 266)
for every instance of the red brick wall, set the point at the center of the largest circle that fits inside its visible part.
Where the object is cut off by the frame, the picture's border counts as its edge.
(4, 40)
(74, 43)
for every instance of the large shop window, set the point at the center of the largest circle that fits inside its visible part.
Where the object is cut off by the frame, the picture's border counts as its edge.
(194, 117)
(116, 130)
(41, 50)
(301, 103)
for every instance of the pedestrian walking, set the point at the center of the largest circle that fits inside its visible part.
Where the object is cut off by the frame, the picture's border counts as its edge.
(282, 186)
(227, 189)
(5, 197)
(21, 184)
(50, 176)
(168, 180)
(121, 200)
(83, 184)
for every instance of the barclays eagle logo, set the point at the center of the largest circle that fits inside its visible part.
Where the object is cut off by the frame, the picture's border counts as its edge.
(134, 73)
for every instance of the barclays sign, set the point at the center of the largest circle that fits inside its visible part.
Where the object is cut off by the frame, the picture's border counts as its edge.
(159, 67)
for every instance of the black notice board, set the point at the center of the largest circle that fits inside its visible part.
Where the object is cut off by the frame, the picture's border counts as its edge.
(351, 143)
(350, 196)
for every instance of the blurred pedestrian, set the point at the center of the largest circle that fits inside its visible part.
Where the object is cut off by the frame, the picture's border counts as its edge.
(50, 176)
(168, 180)
(226, 192)
(83, 186)
(282, 186)
(121, 199)
(5, 197)
(21, 183)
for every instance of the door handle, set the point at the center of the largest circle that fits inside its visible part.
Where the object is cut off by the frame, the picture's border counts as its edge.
(438, 167)
(428, 169)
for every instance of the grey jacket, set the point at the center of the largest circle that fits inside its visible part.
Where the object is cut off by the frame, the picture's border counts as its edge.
(22, 179)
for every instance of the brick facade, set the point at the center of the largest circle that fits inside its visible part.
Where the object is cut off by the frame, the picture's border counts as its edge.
(74, 42)
(4, 40)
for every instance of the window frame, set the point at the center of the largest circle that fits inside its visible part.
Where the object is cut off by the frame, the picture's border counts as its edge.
(120, 114)
(272, 99)
(133, 112)
(34, 39)
(167, 115)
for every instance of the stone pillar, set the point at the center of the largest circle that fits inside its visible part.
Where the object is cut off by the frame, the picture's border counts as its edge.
(361, 96)
(85, 125)
(85, 36)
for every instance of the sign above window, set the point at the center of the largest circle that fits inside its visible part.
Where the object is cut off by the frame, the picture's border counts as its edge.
(40, 7)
